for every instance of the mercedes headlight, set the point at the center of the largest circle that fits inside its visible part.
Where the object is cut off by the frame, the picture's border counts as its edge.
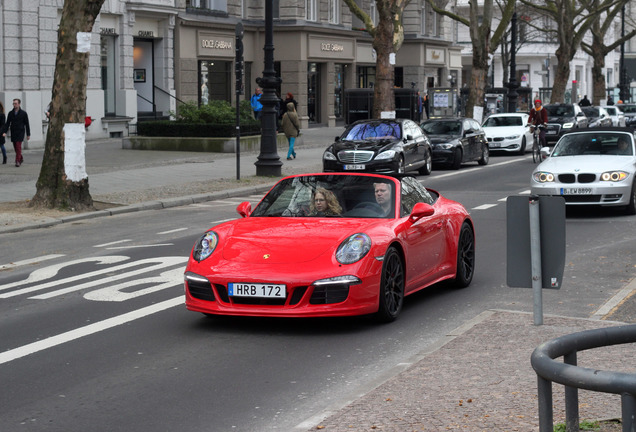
(614, 176)
(353, 249)
(327, 155)
(389, 154)
(543, 177)
(204, 247)
(568, 125)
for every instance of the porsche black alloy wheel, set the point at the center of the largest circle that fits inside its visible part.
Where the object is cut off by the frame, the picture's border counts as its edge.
(465, 257)
(391, 286)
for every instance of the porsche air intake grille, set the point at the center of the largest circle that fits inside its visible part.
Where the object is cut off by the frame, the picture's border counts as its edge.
(355, 156)
(329, 294)
(200, 290)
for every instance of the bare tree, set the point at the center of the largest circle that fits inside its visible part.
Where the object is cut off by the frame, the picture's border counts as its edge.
(573, 19)
(388, 37)
(484, 42)
(598, 49)
(56, 188)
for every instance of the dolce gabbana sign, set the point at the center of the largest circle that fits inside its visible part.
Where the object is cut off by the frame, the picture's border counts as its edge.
(321, 47)
(210, 44)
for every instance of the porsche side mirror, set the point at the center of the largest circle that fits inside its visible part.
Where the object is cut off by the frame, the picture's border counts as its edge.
(421, 210)
(244, 209)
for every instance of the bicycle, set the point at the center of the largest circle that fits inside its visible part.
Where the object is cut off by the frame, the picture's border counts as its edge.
(536, 143)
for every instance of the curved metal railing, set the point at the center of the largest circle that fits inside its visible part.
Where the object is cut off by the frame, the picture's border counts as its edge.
(573, 377)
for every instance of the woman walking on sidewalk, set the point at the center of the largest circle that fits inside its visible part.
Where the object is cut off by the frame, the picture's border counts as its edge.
(2, 139)
(291, 128)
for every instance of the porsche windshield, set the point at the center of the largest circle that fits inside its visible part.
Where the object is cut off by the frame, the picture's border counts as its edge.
(330, 196)
(583, 144)
(373, 131)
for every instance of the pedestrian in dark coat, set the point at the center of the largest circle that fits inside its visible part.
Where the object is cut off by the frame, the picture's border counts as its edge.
(289, 98)
(2, 139)
(18, 124)
(291, 127)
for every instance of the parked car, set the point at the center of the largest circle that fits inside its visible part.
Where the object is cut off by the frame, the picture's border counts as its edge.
(563, 118)
(590, 167)
(358, 259)
(380, 146)
(629, 110)
(618, 117)
(508, 132)
(455, 140)
(597, 116)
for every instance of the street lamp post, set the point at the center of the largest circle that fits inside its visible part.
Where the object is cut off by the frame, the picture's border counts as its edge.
(623, 85)
(512, 84)
(268, 163)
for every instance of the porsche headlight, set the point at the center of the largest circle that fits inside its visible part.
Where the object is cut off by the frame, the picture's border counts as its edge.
(327, 155)
(353, 249)
(204, 247)
(543, 177)
(614, 176)
(389, 154)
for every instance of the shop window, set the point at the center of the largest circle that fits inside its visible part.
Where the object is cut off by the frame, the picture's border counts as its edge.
(398, 77)
(366, 76)
(338, 92)
(215, 81)
(108, 67)
(313, 92)
(211, 5)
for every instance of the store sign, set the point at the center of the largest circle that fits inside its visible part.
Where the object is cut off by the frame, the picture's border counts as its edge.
(435, 55)
(320, 47)
(146, 33)
(107, 31)
(209, 44)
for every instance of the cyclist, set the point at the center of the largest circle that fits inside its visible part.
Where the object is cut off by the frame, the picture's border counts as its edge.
(539, 116)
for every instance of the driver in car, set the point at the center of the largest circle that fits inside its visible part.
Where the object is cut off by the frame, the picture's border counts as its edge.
(383, 197)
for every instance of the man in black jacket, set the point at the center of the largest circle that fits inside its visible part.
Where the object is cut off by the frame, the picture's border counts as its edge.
(18, 122)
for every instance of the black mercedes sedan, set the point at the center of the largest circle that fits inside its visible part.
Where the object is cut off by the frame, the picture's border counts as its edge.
(456, 140)
(380, 146)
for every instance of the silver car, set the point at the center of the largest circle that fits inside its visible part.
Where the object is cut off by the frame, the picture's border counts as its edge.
(618, 117)
(592, 167)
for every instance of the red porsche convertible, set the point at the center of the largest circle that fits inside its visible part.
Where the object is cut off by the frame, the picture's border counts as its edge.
(324, 245)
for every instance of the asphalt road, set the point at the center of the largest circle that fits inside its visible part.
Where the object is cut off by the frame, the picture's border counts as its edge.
(94, 335)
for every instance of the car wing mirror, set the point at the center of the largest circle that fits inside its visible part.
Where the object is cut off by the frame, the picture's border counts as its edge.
(421, 210)
(337, 138)
(244, 209)
(545, 152)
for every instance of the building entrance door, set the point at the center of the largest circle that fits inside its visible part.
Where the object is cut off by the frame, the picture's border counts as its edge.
(313, 92)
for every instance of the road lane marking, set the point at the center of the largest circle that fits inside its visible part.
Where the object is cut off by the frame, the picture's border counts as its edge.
(29, 261)
(88, 330)
(113, 243)
(140, 246)
(470, 170)
(171, 231)
(50, 271)
(485, 206)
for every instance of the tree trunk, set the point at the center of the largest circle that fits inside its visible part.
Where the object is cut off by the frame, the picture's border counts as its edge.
(562, 74)
(68, 107)
(598, 78)
(383, 97)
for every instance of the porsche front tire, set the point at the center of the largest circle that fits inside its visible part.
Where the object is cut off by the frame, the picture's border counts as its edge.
(465, 257)
(391, 287)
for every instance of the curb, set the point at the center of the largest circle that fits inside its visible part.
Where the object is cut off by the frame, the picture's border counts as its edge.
(147, 205)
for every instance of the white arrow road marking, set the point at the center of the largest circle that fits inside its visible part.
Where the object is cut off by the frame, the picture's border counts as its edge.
(161, 263)
(90, 329)
(165, 280)
(49, 272)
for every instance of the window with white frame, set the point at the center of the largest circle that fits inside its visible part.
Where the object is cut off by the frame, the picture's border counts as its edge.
(310, 10)
(334, 11)
(423, 13)
(373, 12)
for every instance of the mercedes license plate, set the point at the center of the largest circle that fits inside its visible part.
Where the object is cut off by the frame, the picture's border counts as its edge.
(355, 167)
(551, 132)
(576, 191)
(240, 289)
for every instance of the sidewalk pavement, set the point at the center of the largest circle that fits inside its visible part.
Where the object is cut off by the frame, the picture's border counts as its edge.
(476, 378)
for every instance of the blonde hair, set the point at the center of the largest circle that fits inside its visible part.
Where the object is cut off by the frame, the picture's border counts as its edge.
(333, 206)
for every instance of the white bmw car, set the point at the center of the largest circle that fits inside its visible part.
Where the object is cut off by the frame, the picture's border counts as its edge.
(592, 167)
(508, 132)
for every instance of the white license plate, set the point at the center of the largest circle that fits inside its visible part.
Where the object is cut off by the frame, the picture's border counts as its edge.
(494, 145)
(354, 167)
(551, 132)
(240, 289)
(576, 191)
